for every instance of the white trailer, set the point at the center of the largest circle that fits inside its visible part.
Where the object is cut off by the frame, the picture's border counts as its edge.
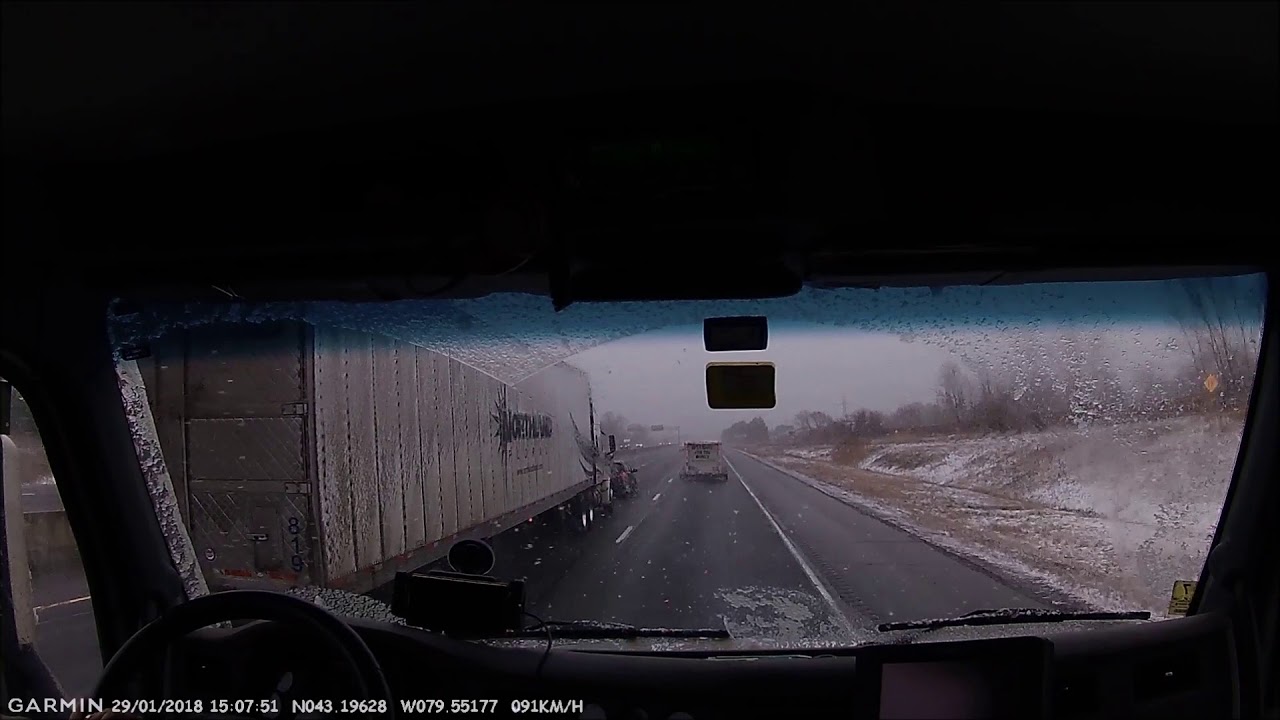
(305, 455)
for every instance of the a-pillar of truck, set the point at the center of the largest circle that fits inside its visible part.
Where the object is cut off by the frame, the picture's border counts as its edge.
(308, 455)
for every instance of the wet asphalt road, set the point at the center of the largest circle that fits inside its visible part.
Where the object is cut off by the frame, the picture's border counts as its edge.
(66, 635)
(764, 554)
(40, 498)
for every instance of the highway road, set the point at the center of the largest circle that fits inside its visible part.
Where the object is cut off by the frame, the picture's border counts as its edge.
(764, 554)
(40, 497)
(66, 635)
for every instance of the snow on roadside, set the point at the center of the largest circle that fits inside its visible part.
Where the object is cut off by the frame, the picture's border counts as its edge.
(1110, 515)
(814, 453)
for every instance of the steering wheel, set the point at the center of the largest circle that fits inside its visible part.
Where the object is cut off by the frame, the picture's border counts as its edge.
(342, 643)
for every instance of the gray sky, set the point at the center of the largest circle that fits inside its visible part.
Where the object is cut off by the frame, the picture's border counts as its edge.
(658, 377)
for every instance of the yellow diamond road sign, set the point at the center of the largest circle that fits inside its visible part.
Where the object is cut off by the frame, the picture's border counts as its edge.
(1180, 598)
(1211, 383)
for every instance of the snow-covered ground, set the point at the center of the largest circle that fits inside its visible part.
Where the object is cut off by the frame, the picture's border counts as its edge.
(1110, 515)
(813, 453)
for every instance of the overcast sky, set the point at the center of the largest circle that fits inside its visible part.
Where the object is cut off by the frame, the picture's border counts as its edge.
(833, 348)
(830, 345)
(659, 377)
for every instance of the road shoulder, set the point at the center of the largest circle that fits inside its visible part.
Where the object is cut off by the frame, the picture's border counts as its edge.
(1001, 568)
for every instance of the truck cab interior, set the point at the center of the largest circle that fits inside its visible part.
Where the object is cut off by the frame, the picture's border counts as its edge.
(379, 153)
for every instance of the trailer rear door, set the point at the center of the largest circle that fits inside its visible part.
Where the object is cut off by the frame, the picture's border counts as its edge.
(242, 415)
(703, 459)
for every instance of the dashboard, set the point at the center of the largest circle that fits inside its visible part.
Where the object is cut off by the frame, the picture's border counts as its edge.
(1151, 670)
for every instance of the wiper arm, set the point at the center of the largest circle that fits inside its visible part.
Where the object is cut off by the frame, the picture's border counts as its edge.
(1012, 615)
(591, 629)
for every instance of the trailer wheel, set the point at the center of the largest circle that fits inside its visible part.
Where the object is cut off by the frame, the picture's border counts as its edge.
(581, 508)
(570, 520)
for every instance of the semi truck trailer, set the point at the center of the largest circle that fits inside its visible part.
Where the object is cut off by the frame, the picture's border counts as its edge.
(310, 455)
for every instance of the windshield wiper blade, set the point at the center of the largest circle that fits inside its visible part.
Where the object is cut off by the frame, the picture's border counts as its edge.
(592, 629)
(1004, 616)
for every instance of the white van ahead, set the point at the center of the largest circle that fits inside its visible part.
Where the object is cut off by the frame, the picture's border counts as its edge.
(704, 461)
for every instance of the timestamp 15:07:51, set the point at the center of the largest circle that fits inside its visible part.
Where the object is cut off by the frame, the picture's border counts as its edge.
(223, 706)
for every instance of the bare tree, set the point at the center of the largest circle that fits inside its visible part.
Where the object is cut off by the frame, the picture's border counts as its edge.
(743, 432)
(993, 405)
(952, 393)
(1222, 329)
(908, 417)
(866, 423)
(812, 420)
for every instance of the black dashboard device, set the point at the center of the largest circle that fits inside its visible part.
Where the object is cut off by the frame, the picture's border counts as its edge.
(735, 334)
(993, 678)
(459, 604)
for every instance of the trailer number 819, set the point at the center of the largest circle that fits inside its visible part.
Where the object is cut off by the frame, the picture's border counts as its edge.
(295, 541)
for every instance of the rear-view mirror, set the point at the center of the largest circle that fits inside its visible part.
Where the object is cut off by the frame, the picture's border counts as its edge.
(735, 334)
(741, 386)
(613, 444)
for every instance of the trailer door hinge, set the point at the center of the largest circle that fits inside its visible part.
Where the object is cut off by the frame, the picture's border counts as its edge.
(293, 409)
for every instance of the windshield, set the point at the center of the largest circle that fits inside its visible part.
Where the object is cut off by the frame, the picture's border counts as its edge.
(931, 453)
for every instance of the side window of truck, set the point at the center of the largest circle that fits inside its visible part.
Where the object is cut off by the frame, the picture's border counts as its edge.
(53, 613)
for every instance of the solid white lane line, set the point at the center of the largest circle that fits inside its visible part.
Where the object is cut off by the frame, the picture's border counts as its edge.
(73, 601)
(795, 552)
(624, 534)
